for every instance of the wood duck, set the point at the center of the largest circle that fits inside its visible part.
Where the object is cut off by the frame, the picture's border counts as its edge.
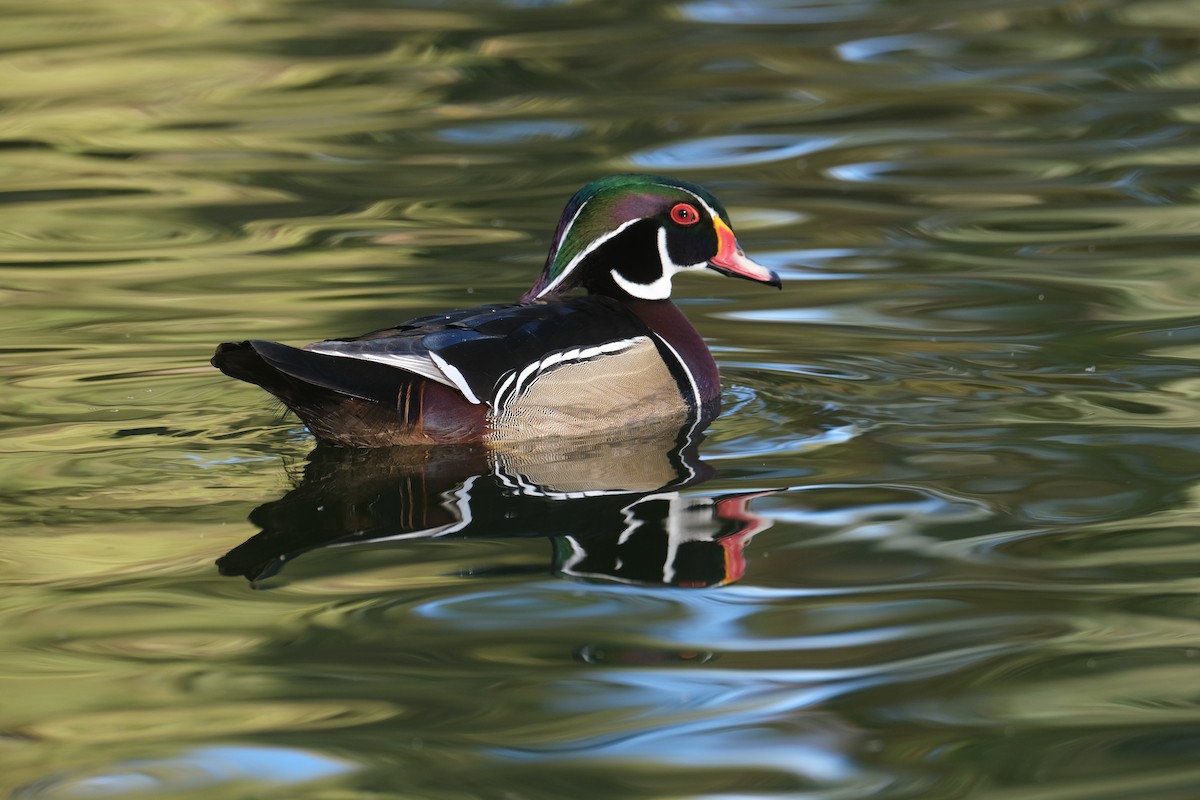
(551, 365)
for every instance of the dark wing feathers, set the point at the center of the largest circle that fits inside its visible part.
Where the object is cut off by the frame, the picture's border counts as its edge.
(366, 380)
(484, 344)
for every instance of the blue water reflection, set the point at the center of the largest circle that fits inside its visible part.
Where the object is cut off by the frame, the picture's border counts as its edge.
(495, 133)
(200, 769)
(729, 151)
(778, 12)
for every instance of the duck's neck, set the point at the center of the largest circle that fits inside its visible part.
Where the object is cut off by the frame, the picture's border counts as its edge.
(665, 319)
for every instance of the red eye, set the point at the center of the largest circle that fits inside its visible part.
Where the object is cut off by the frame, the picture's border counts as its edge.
(685, 214)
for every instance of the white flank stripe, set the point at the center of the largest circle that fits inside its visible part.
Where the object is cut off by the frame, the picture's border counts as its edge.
(417, 365)
(453, 374)
(612, 347)
(684, 367)
(525, 373)
(510, 390)
(504, 388)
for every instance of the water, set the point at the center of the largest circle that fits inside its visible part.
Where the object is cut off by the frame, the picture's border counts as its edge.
(940, 544)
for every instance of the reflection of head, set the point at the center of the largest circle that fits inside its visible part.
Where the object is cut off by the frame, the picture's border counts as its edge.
(669, 539)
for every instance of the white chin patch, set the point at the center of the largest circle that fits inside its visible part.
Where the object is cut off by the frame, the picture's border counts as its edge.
(660, 287)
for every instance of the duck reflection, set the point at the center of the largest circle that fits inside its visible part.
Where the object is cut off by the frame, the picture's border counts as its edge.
(611, 510)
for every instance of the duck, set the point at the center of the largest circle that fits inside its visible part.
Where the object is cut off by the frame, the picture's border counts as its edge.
(616, 355)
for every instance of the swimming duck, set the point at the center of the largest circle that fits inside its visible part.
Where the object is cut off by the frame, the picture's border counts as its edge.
(550, 365)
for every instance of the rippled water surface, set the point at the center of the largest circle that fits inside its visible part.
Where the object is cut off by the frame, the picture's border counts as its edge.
(941, 544)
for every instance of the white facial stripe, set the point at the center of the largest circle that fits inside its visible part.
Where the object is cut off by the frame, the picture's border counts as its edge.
(563, 238)
(712, 212)
(453, 374)
(571, 224)
(585, 253)
(660, 287)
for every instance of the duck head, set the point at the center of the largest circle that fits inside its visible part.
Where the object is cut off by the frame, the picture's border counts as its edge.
(626, 236)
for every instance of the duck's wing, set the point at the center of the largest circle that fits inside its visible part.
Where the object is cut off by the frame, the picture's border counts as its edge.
(403, 346)
(487, 351)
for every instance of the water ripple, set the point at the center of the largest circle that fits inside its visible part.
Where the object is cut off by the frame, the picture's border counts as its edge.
(148, 724)
(958, 173)
(777, 12)
(730, 151)
(494, 133)
(199, 769)
(1102, 228)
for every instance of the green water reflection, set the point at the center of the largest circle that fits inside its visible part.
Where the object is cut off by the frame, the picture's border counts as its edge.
(959, 449)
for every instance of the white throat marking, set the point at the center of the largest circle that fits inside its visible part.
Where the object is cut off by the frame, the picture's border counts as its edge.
(660, 287)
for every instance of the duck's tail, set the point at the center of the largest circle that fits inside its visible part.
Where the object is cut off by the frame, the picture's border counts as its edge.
(346, 402)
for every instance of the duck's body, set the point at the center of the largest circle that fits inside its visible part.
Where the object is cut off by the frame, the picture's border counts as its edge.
(551, 365)
(613, 364)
